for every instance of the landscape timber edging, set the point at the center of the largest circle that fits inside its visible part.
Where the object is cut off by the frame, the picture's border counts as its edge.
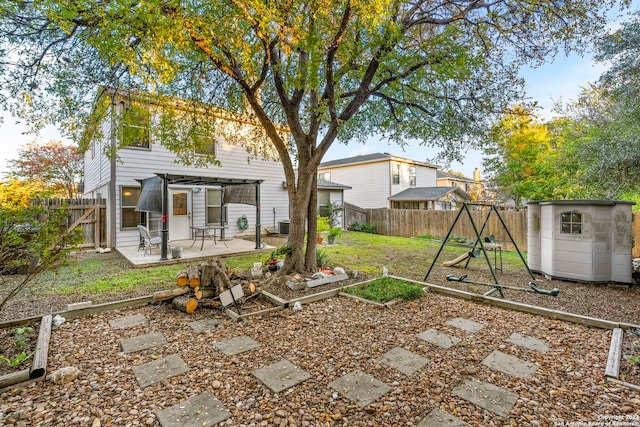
(612, 370)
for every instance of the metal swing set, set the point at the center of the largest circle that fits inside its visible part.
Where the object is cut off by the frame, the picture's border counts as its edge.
(475, 253)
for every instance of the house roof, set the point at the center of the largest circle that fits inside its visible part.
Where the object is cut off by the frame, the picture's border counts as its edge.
(442, 174)
(328, 185)
(370, 158)
(427, 193)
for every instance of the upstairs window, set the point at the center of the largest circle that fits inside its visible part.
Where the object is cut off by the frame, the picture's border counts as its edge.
(395, 173)
(571, 223)
(206, 147)
(412, 176)
(324, 176)
(136, 122)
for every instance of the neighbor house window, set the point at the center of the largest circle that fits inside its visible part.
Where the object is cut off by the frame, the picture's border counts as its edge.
(412, 176)
(130, 218)
(571, 223)
(136, 123)
(324, 176)
(214, 206)
(395, 205)
(395, 173)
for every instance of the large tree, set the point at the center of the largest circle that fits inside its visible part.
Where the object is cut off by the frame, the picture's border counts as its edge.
(330, 70)
(56, 165)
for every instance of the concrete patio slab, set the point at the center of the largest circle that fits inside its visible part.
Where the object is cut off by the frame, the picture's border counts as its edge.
(236, 345)
(495, 399)
(281, 375)
(202, 410)
(439, 338)
(438, 418)
(128, 321)
(142, 342)
(360, 387)
(465, 324)
(404, 360)
(529, 342)
(509, 364)
(204, 325)
(158, 370)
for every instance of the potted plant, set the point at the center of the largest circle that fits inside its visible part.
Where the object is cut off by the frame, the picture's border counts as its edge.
(322, 229)
(334, 233)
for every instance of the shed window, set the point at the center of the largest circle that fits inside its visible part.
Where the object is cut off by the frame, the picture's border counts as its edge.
(571, 223)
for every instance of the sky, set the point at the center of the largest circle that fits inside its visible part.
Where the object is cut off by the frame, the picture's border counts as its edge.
(561, 79)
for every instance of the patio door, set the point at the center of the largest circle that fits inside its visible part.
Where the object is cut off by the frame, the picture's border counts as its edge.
(179, 215)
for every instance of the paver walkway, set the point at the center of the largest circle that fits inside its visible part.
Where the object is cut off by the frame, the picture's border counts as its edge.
(359, 387)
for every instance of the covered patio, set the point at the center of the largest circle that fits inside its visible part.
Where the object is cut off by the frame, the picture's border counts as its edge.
(191, 252)
(154, 197)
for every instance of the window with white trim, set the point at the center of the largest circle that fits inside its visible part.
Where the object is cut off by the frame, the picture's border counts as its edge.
(136, 125)
(214, 206)
(129, 217)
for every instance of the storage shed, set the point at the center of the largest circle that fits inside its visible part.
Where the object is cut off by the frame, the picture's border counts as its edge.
(582, 240)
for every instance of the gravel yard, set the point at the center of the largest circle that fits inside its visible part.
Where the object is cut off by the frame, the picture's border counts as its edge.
(327, 339)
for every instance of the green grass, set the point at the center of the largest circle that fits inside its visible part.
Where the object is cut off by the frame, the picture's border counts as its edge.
(386, 289)
(364, 252)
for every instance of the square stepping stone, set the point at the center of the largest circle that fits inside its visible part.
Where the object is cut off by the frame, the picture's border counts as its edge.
(203, 410)
(495, 399)
(158, 370)
(465, 324)
(403, 360)
(128, 321)
(439, 338)
(204, 325)
(438, 418)
(236, 345)
(529, 342)
(509, 364)
(281, 375)
(360, 387)
(142, 342)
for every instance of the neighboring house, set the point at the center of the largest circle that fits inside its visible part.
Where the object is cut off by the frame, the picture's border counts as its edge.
(331, 193)
(430, 198)
(376, 177)
(446, 179)
(191, 202)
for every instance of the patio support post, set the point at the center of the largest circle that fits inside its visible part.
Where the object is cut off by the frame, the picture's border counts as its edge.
(165, 215)
(258, 244)
(223, 215)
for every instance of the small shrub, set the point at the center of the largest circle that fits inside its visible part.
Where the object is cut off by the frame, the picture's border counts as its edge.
(18, 360)
(386, 289)
(322, 258)
(362, 227)
(280, 252)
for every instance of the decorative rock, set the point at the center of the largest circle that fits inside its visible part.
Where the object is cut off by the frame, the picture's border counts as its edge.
(64, 375)
(339, 270)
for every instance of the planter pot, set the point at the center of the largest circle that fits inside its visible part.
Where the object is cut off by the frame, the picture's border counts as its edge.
(176, 252)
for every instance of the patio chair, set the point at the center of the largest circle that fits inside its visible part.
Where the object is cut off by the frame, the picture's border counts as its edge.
(148, 241)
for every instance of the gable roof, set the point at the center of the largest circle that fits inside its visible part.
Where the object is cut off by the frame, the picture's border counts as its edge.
(440, 174)
(371, 158)
(427, 193)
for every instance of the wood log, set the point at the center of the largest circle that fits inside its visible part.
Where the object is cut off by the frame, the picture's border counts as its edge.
(169, 293)
(185, 304)
(221, 279)
(193, 273)
(183, 279)
(39, 365)
(14, 378)
(209, 303)
(206, 279)
(208, 293)
(197, 292)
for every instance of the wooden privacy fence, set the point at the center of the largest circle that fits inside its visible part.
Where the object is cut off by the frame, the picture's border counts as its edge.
(415, 222)
(89, 214)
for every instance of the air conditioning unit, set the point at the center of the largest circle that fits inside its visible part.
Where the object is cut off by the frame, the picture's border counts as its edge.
(283, 227)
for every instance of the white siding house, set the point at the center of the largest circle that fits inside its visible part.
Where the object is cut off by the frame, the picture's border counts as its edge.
(115, 178)
(376, 177)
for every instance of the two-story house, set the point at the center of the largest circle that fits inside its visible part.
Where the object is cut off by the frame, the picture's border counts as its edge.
(191, 202)
(374, 178)
(381, 180)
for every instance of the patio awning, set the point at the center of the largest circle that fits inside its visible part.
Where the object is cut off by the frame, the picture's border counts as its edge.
(244, 195)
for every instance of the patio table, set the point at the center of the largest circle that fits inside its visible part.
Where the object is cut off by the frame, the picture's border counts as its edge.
(209, 231)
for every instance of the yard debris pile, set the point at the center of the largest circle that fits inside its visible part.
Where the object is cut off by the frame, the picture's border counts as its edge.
(201, 286)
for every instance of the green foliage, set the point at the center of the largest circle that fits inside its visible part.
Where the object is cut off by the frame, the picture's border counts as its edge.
(335, 232)
(21, 339)
(322, 258)
(18, 360)
(363, 227)
(323, 224)
(386, 289)
(280, 253)
(635, 359)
